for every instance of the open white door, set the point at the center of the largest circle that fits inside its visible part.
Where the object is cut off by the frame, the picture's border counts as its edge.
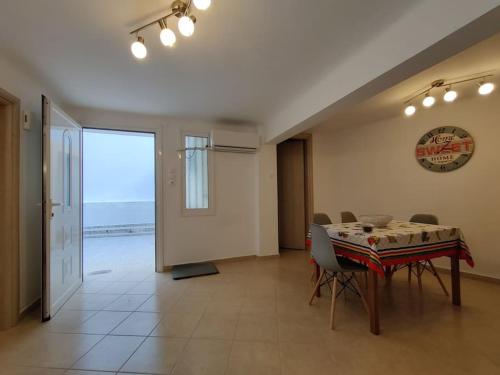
(62, 208)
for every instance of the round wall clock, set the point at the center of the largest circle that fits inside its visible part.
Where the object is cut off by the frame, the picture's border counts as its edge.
(444, 149)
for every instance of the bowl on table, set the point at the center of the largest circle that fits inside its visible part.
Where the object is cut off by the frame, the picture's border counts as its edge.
(378, 221)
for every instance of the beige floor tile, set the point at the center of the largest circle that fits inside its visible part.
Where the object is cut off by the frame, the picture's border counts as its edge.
(305, 359)
(224, 306)
(187, 304)
(216, 326)
(22, 370)
(118, 287)
(109, 354)
(260, 327)
(156, 355)
(68, 321)
(177, 325)
(257, 354)
(259, 305)
(103, 322)
(90, 301)
(55, 350)
(128, 302)
(82, 372)
(158, 303)
(93, 286)
(203, 357)
(236, 369)
(138, 324)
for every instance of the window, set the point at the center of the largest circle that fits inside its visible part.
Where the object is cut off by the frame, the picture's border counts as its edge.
(67, 146)
(197, 175)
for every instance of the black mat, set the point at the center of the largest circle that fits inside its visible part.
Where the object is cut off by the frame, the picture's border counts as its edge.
(185, 271)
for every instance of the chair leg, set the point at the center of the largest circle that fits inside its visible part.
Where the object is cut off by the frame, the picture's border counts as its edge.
(362, 295)
(419, 276)
(439, 278)
(316, 287)
(409, 273)
(332, 309)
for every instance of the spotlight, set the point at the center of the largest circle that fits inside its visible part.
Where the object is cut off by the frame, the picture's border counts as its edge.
(186, 25)
(167, 36)
(450, 95)
(138, 48)
(428, 101)
(410, 110)
(202, 4)
(485, 88)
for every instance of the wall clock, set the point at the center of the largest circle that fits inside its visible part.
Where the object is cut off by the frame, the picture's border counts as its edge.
(444, 149)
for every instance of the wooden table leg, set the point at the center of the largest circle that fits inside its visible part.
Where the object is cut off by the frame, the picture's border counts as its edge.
(373, 302)
(455, 280)
(317, 273)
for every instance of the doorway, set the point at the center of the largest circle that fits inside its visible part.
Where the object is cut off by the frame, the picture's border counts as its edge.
(295, 207)
(9, 209)
(119, 214)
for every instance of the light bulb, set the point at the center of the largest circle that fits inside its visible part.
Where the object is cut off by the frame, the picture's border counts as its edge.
(485, 88)
(186, 26)
(138, 48)
(410, 110)
(167, 37)
(202, 4)
(450, 95)
(428, 101)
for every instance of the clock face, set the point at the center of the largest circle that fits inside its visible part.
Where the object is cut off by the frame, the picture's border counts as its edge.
(444, 149)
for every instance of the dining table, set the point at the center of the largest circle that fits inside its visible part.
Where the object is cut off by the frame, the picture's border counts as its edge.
(384, 250)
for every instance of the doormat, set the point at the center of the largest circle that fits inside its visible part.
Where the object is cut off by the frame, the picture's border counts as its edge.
(185, 271)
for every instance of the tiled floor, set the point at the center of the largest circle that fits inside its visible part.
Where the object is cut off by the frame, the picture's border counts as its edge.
(253, 318)
(119, 254)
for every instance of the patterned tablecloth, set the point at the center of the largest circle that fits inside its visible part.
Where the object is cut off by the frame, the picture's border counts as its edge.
(399, 243)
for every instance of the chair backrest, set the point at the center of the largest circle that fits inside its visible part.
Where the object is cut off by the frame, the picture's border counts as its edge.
(425, 219)
(348, 217)
(321, 219)
(322, 249)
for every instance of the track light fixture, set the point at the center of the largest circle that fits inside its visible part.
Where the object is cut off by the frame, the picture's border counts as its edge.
(450, 95)
(485, 88)
(138, 48)
(186, 25)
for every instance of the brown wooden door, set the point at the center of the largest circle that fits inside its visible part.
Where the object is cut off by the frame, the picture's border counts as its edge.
(291, 194)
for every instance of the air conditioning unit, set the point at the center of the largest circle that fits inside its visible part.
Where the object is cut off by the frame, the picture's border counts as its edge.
(230, 141)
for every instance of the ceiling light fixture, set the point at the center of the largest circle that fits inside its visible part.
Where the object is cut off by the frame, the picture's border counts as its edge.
(180, 9)
(450, 95)
(428, 101)
(186, 25)
(485, 88)
(167, 36)
(202, 4)
(410, 110)
(138, 48)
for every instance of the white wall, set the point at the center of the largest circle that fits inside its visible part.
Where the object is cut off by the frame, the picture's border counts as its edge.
(16, 80)
(372, 169)
(233, 230)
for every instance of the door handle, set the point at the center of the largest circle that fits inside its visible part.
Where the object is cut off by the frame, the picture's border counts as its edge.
(55, 204)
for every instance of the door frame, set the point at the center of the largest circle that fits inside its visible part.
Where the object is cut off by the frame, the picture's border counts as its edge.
(160, 200)
(307, 140)
(308, 177)
(10, 265)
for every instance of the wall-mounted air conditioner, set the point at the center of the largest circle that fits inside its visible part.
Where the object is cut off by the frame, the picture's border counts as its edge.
(231, 141)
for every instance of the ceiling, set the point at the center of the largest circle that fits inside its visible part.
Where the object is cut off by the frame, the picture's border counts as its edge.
(481, 58)
(246, 60)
